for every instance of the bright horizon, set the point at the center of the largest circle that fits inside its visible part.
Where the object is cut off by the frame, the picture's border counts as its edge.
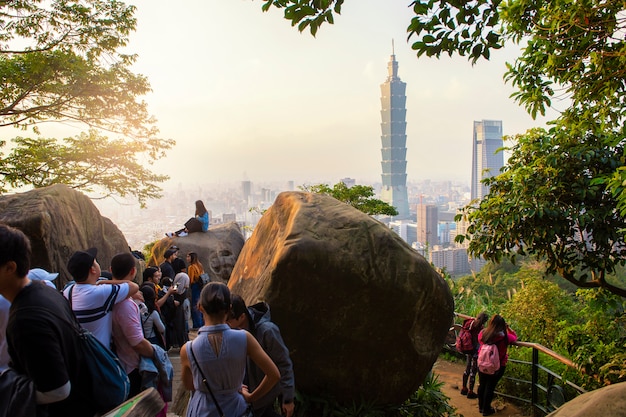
(246, 96)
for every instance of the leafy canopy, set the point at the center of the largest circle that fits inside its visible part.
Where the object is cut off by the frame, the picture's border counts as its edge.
(563, 194)
(547, 203)
(571, 50)
(60, 61)
(358, 196)
(81, 162)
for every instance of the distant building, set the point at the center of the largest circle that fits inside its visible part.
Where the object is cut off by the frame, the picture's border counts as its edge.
(246, 190)
(485, 161)
(454, 260)
(447, 231)
(393, 126)
(267, 195)
(427, 224)
(406, 229)
(349, 182)
(229, 217)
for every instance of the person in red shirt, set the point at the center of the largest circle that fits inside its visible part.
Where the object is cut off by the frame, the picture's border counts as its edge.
(500, 334)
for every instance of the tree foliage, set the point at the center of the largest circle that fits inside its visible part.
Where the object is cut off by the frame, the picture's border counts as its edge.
(546, 203)
(83, 162)
(60, 61)
(307, 13)
(540, 310)
(597, 341)
(358, 196)
(569, 49)
(563, 194)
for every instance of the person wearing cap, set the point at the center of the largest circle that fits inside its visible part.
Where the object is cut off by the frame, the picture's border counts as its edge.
(130, 343)
(41, 337)
(256, 319)
(91, 298)
(39, 274)
(167, 270)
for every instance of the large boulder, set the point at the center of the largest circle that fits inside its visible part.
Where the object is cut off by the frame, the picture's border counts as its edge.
(363, 314)
(606, 401)
(217, 249)
(59, 220)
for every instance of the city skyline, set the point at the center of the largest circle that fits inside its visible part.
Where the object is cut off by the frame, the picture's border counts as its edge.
(247, 96)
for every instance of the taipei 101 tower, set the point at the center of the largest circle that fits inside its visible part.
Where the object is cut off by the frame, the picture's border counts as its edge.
(393, 126)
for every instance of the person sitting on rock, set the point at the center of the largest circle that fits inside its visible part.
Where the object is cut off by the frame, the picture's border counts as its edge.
(198, 223)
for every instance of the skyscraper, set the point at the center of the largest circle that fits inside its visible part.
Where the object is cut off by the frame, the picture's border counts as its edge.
(485, 161)
(393, 126)
(427, 222)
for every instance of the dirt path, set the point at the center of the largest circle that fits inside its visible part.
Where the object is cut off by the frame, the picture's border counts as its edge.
(451, 374)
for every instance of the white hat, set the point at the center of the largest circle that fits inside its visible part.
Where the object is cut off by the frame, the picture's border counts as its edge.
(43, 275)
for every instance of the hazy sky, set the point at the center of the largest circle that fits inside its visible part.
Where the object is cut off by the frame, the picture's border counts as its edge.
(245, 95)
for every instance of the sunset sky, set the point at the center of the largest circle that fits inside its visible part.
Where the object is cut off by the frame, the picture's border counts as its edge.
(246, 96)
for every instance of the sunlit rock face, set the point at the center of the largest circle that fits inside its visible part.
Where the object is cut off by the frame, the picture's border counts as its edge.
(606, 401)
(362, 313)
(59, 220)
(217, 249)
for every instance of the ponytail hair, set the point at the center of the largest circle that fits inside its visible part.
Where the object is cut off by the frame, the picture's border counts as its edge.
(215, 298)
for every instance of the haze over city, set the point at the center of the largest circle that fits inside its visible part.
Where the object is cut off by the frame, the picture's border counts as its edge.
(246, 96)
(244, 93)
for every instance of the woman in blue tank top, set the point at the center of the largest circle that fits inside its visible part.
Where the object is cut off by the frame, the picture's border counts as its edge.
(220, 353)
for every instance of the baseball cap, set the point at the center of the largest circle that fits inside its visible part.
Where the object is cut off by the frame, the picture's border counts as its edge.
(80, 263)
(169, 253)
(43, 275)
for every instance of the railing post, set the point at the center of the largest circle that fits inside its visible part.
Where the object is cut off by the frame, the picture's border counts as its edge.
(534, 397)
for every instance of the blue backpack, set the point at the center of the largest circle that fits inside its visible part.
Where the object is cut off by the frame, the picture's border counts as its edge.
(109, 383)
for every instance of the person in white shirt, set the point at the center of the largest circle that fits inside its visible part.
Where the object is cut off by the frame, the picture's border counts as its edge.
(91, 299)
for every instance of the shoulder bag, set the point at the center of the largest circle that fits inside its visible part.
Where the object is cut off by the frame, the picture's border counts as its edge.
(247, 413)
(110, 384)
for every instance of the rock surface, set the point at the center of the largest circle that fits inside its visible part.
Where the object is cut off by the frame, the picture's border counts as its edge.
(363, 314)
(217, 249)
(59, 220)
(606, 401)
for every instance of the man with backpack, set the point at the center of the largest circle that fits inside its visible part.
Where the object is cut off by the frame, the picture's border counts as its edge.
(467, 344)
(41, 345)
(91, 298)
(492, 358)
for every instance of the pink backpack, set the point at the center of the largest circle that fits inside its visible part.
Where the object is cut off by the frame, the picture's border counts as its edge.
(488, 359)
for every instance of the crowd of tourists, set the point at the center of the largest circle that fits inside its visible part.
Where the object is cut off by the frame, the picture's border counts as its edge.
(237, 365)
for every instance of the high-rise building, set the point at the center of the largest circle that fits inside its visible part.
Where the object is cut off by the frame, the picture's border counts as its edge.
(485, 161)
(246, 190)
(349, 182)
(393, 126)
(427, 224)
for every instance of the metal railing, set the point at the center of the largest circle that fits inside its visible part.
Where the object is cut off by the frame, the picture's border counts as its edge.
(547, 390)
